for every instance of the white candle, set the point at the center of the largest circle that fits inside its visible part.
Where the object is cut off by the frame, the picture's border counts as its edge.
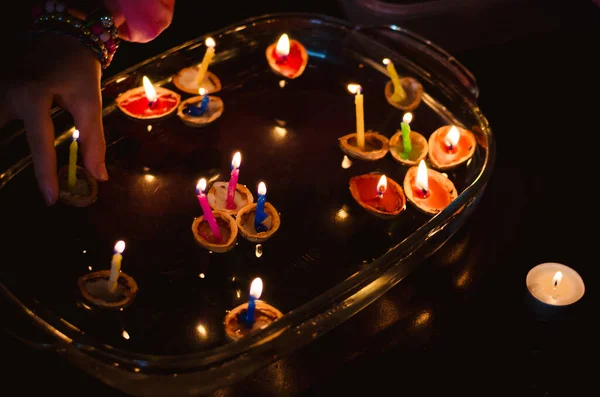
(555, 284)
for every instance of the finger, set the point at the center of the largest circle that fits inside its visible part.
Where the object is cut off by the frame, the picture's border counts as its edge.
(86, 109)
(39, 130)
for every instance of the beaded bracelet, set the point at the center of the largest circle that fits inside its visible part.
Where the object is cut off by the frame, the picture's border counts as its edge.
(96, 31)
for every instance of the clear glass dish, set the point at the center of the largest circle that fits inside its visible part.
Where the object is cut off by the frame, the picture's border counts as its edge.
(330, 257)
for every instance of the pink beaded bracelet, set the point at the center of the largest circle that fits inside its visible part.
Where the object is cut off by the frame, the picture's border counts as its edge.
(96, 31)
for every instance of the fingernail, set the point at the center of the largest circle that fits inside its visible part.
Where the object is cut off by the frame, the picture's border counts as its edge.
(49, 197)
(101, 172)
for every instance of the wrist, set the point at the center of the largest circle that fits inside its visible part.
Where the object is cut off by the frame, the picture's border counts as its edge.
(94, 29)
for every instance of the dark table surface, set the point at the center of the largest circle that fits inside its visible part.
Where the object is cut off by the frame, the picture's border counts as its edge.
(460, 324)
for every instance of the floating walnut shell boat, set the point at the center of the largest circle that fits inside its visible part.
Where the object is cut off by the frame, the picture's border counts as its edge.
(217, 197)
(205, 237)
(264, 315)
(186, 81)
(134, 103)
(443, 159)
(294, 64)
(364, 190)
(376, 146)
(83, 193)
(245, 222)
(419, 146)
(441, 191)
(413, 90)
(94, 288)
(214, 111)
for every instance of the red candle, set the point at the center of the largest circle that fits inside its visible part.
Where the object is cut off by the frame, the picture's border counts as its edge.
(287, 57)
(450, 146)
(427, 189)
(208, 215)
(372, 192)
(149, 102)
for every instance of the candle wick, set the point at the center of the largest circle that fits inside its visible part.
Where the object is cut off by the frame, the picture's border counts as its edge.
(424, 191)
(450, 147)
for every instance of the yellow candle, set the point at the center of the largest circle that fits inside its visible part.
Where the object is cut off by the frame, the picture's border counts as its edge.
(73, 160)
(360, 115)
(208, 56)
(399, 94)
(115, 265)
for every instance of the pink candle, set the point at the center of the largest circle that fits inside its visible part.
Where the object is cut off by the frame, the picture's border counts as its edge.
(235, 173)
(208, 215)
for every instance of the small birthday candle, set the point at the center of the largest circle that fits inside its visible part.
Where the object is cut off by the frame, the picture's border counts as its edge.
(115, 265)
(208, 215)
(399, 94)
(231, 187)
(73, 160)
(406, 142)
(260, 215)
(255, 291)
(208, 56)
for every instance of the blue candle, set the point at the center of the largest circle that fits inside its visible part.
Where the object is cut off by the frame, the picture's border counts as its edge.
(260, 215)
(255, 292)
(200, 108)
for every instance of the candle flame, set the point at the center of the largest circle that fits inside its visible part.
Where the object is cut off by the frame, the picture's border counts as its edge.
(556, 280)
(149, 89)
(237, 160)
(201, 186)
(210, 42)
(452, 136)
(381, 186)
(202, 331)
(407, 118)
(283, 46)
(386, 61)
(76, 134)
(256, 288)
(422, 181)
(262, 189)
(202, 91)
(120, 247)
(354, 88)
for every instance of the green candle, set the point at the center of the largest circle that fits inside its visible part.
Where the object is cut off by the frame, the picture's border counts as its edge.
(406, 135)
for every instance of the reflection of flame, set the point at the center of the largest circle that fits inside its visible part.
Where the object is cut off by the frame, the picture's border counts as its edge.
(120, 247)
(556, 280)
(452, 137)
(283, 46)
(202, 331)
(76, 134)
(407, 118)
(422, 179)
(201, 186)
(280, 132)
(256, 288)
(422, 318)
(125, 335)
(149, 89)
(354, 88)
(210, 42)
(463, 279)
(262, 189)
(346, 163)
(258, 251)
(149, 177)
(342, 213)
(237, 160)
(381, 185)
(281, 83)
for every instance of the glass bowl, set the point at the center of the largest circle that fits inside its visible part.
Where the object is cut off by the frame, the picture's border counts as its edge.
(329, 259)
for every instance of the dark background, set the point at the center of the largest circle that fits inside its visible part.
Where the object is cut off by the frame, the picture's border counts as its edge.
(460, 324)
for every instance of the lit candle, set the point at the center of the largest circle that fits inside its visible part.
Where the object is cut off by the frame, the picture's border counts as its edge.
(422, 180)
(406, 142)
(208, 56)
(282, 50)
(360, 118)
(555, 284)
(451, 139)
(73, 160)
(200, 107)
(208, 215)
(255, 291)
(381, 186)
(399, 94)
(260, 214)
(231, 188)
(151, 94)
(115, 265)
